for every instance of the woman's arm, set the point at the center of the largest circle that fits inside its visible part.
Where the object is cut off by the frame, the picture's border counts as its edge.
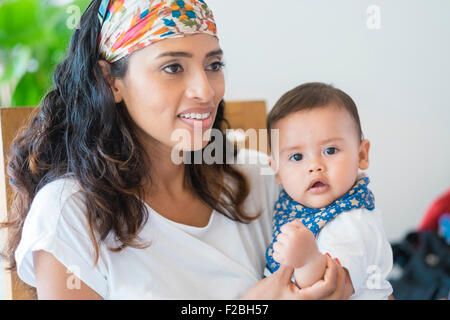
(279, 286)
(55, 282)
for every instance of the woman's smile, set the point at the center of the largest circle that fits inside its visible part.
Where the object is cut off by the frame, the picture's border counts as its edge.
(198, 117)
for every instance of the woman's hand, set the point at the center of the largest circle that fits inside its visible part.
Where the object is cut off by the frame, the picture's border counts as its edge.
(335, 285)
(279, 286)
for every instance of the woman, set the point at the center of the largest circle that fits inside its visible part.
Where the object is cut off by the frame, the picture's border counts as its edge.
(98, 192)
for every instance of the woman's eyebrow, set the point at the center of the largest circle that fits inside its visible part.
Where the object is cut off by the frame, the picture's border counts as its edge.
(187, 54)
(218, 52)
(175, 54)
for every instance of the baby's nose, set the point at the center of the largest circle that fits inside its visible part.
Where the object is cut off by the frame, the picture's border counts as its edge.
(316, 167)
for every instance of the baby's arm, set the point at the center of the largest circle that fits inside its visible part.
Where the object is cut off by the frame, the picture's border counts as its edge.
(296, 247)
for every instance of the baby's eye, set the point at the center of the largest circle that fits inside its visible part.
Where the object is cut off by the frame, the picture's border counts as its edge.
(296, 157)
(173, 68)
(330, 151)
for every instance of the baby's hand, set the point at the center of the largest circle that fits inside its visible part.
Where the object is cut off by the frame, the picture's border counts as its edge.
(295, 245)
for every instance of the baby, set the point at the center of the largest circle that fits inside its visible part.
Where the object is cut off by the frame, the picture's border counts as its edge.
(325, 205)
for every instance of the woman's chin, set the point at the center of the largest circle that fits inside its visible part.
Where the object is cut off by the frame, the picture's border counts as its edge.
(190, 147)
(196, 147)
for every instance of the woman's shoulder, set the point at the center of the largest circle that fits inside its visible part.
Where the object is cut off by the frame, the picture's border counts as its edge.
(64, 187)
(57, 223)
(55, 201)
(57, 192)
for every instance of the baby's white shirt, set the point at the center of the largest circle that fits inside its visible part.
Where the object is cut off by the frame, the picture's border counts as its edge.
(358, 240)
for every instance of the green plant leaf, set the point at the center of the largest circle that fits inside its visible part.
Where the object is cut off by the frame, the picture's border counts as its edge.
(41, 31)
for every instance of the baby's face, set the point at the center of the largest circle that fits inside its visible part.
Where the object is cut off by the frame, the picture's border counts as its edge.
(319, 155)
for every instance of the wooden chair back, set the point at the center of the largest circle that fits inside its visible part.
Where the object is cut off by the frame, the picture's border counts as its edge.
(11, 121)
(250, 117)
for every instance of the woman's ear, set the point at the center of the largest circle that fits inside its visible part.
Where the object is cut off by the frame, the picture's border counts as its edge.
(113, 82)
(363, 152)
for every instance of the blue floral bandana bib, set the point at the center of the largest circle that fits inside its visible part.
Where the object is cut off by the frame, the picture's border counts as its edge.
(286, 210)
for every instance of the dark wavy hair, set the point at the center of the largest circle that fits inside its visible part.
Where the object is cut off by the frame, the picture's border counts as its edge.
(80, 130)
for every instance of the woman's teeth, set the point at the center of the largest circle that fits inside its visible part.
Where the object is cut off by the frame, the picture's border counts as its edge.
(197, 116)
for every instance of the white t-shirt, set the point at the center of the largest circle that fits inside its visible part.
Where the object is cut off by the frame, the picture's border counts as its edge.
(222, 260)
(357, 239)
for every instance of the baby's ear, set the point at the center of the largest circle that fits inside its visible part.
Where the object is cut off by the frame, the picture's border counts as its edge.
(364, 148)
(274, 165)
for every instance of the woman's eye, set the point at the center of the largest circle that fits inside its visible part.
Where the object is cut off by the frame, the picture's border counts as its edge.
(330, 151)
(216, 66)
(296, 157)
(173, 68)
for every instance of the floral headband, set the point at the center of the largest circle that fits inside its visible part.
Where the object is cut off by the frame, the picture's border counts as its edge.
(129, 25)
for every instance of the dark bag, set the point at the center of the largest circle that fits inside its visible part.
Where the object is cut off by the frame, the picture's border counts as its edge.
(424, 259)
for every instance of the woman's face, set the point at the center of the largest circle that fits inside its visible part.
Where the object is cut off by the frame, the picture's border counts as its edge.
(172, 88)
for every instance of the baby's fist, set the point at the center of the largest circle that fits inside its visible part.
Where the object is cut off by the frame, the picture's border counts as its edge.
(294, 245)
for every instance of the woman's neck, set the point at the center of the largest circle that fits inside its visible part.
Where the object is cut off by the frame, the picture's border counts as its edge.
(164, 176)
(166, 190)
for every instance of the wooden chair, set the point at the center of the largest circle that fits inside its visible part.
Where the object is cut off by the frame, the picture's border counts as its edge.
(11, 121)
(250, 118)
(240, 115)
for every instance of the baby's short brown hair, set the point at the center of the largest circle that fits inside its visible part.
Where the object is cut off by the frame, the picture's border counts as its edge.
(309, 96)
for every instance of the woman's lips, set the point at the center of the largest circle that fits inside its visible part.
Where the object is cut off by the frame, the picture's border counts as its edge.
(204, 122)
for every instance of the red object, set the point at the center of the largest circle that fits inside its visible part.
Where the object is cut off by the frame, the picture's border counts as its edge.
(440, 206)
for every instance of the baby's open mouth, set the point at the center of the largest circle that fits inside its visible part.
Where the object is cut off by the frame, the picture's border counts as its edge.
(318, 184)
(318, 187)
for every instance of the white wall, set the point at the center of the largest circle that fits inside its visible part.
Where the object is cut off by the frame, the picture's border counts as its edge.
(398, 75)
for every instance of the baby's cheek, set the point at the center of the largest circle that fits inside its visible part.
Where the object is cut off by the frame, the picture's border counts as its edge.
(344, 179)
(294, 185)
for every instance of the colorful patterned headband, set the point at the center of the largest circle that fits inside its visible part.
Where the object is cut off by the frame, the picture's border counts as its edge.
(129, 25)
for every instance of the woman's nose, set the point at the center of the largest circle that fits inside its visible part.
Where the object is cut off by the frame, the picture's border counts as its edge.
(199, 87)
